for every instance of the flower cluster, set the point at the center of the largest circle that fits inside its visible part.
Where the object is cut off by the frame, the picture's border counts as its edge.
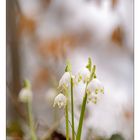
(93, 92)
(94, 88)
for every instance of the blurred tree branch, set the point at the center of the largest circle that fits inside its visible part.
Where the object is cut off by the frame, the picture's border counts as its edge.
(13, 53)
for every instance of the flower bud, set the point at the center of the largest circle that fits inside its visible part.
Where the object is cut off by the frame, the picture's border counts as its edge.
(60, 100)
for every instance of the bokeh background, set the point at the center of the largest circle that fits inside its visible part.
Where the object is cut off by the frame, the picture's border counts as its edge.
(41, 36)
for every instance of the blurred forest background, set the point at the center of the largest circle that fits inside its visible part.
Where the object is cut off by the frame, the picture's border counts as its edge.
(42, 35)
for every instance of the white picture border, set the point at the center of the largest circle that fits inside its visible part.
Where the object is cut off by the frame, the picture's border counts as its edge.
(3, 69)
(137, 70)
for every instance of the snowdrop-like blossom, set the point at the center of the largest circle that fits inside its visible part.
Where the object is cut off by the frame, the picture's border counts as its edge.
(25, 95)
(95, 86)
(94, 90)
(64, 82)
(60, 100)
(84, 75)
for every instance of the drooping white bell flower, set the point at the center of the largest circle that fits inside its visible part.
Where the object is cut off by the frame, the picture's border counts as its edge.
(84, 75)
(60, 100)
(25, 95)
(95, 86)
(95, 90)
(64, 82)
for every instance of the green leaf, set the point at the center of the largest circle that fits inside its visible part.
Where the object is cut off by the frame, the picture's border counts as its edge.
(68, 67)
(67, 118)
(89, 65)
(80, 125)
(72, 111)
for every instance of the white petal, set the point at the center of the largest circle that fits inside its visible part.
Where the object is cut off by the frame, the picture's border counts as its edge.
(94, 85)
(25, 95)
(60, 100)
(65, 80)
(84, 74)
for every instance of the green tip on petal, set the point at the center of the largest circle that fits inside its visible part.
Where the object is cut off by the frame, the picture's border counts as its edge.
(96, 91)
(95, 76)
(102, 91)
(95, 102)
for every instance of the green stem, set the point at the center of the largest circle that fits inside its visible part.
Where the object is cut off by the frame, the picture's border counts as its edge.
(71, 127)
(72, 111)
(67, 122)
(79, 131)
(31, 121)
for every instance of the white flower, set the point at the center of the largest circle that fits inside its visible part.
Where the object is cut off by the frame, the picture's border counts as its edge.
(84, 75)
(95, 90)
(60, 100)
(65, 81)
(95, 86)
(25, 95)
